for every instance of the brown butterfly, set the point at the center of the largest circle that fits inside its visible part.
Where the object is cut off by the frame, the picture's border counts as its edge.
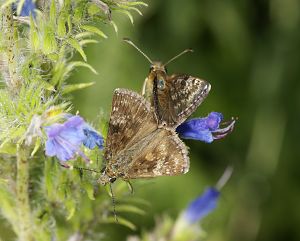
(135, 146)
(174, 97)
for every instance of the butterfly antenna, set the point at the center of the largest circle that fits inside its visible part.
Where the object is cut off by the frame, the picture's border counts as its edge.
(178, 55)
(224, 178)
(84, 169)
(113, 202)
(127, 40)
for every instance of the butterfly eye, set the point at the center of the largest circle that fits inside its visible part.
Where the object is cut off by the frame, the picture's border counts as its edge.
(112, 179)
(161, 84)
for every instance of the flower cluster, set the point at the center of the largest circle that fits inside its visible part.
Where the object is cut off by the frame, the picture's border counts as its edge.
(65, 140)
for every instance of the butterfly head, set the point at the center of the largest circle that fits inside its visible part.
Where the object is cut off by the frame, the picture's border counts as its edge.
(157, 73)
(106, 178)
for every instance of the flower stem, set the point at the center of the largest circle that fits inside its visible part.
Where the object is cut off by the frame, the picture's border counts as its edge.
(23, 206)
(10, 40)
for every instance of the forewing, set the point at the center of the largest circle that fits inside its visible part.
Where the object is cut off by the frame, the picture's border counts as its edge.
(131, 119)
(179, 99)
(164, 155)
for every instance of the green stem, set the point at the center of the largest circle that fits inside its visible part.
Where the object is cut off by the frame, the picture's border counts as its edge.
(10, 40)
(23, 206)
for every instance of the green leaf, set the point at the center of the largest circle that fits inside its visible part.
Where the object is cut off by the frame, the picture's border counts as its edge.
(71, 208)
(93, 9)
(52, 13)
(34, 36)
(88, 41)
(49, 45)
(94, 29)
(136, 3)
(8, 205)
(79, 12)
(36, 147)
(74, 64)
(75, 44)
(88, 187)
(138, 201)
(137, 10)
(129, 209)
(70, 24)
(61, 25)
(69, 88)
(127, 13)
(48, 172)
(121, 221)
(8, 148)
(114, 25)
(132, 8)
(83, 35)
(48, 86)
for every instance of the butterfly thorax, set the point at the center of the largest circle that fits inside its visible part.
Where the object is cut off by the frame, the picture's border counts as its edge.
(157, 73)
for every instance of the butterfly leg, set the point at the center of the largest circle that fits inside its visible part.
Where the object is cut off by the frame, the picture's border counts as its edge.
(113, 202)
(130, 186)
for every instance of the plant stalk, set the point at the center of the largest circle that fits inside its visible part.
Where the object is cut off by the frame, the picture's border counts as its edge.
(22, 191)
(10, 40)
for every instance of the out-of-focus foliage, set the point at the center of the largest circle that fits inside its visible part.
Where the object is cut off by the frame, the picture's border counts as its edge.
(249, 52)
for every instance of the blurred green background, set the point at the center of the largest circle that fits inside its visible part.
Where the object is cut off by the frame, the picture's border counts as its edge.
(249, 50)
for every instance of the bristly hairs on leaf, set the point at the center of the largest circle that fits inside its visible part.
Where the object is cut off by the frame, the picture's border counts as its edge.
(35, 62)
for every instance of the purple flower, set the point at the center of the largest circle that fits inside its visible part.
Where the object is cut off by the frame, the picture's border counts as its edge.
(64, 140)
(28, 8)
(205, 129)
(201, 206)
(92, 138)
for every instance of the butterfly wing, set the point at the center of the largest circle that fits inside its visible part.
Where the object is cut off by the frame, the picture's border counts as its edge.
(131, 119)
(162, 154)
(179, 98)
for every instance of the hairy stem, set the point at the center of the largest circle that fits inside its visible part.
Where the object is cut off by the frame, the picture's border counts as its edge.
(8, 30)
(23, 206)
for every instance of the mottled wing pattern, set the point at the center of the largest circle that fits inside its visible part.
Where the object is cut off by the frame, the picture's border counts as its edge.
(164, 155)
(179, 99)
(131, 119)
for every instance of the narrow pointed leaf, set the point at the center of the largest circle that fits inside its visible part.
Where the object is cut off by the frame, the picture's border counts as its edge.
(121, 221)
(75, 44)
(74, 64)
(126, 13)
(129, 209)
(88, 41)
(94, 30)
(70, 88)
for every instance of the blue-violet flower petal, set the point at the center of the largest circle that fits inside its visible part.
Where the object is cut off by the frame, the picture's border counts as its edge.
(202, 205)
(92, 138)
(28, 8)
(64, 140)
(205, 129)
